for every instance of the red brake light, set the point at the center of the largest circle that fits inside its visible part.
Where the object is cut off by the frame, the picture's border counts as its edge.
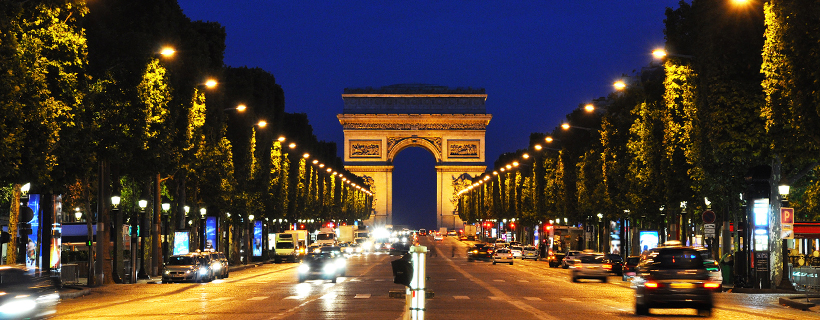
(650, 284)
(711, 285)
(608, 266)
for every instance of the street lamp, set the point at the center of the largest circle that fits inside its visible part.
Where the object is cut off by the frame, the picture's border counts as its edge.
(78, 214)
(661, 54)
(202, 213)
(135, 236)
(210, 83)
(167, 52)
(567, 126)
(165, 208)
(619, 85)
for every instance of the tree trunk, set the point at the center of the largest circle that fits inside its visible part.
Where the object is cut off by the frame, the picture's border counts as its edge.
(156, 244)
(775, 243)
(14, 216)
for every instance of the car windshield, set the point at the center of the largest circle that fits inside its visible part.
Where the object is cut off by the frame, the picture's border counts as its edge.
(326, 236)
(678, 259)
(314, 256)
(614, 257)
(591, 259)
(361, 240)
(633, 260)
(502, 251)
(516, 248)
(181, 261)
(284, 245)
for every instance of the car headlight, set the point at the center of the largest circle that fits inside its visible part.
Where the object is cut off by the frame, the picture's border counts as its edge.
(329, 268)
(340, 263)
(19, 305)
(48, 298)
(217, 266)
(303, 268)
(167, 272)
(203, 270)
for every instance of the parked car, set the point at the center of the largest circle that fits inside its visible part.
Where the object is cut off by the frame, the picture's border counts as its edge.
(503, 255)
(479, 251)
(24, 296)
(187, 267)
(589, 266)
(569, 259)
(529, 252)
(517, 251)
(614, 264)
(673, 277)
(325, 265)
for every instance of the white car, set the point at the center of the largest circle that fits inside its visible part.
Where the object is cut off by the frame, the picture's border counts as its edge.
(517, 251)
(569, 259)
(503, 255)
(438, 237)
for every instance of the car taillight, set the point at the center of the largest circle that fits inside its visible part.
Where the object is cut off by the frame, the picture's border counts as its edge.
(711, 285)
(651, 284)
(608, 266)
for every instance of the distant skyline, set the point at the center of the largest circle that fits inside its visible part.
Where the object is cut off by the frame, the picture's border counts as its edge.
(537, 61)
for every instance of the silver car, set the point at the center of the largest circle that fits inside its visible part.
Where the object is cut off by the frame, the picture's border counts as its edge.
(569, 259)
(589, 266)
(187, 267)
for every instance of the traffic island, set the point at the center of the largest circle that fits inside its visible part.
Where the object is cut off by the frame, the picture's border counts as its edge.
(400, 294)
(800, 303)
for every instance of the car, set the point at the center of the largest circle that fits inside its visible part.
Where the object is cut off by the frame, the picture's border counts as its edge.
(25, 296)
(673, 277)
(399, 248)
(500, 243)
(438, 237)
(629, 266)
(480, 251)
(529, 252)
(422, 232)
(470, 238)
(588, 266)
(187, 267)
(503, 255)
(555, 259)
(218, 262)
(325, 265)
(517, 251)
(715, 274)
(462, 238)
(569, 259)
(452, 233)
(614, 264)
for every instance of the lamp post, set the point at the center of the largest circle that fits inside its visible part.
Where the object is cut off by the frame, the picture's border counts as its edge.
(119, 268)
(203, 214)
(166, 207)
(136, 236)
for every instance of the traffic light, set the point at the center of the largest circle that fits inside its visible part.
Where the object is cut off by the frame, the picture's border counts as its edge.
(402, 270)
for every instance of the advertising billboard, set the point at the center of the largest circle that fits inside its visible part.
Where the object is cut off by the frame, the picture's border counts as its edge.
(181, 242)
(210, 233)
(31, 241)
(649, 240)
(615, 237)
(257, 238)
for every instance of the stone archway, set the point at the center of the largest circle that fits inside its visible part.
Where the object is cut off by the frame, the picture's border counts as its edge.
(379, 123)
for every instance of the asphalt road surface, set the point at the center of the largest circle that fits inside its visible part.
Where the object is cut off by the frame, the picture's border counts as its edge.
(462, 290)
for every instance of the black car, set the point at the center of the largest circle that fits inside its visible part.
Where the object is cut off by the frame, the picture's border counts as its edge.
(25, 296)
(325, 265)
(399, 248)
(673, 277)
(480, 251)
(614, 263)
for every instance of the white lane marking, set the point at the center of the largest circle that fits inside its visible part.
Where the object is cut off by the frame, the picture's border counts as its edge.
(258, 298)
(523, 280)
(495, 298)
(221, 299)
(450, 280)
(498, 280)
(569, 300)
(461, 297)
(294, 297)
(362, 296)
(378, 279)
(329, 296)
(355, 280)
(533, 298)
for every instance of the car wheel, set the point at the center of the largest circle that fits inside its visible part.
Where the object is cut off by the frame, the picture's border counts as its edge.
(604, 279)
(705, 312)
(493, 262)
(511, 262)
(574, 279)
(641, 309)
(333, 280)
(564, 266)
(227, 274)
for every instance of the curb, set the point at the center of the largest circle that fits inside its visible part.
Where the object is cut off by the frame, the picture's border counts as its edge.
(793, 303)
(74, 294)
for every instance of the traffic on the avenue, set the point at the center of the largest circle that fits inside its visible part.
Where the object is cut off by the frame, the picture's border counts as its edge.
(459, 286)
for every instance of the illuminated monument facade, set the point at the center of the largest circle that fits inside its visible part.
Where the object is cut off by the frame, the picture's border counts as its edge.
(450, 123)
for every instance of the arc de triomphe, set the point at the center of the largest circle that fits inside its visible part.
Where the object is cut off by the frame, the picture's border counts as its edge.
(450, 123)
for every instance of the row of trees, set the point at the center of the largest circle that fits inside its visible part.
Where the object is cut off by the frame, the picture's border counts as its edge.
(735, 103)
(90, 110)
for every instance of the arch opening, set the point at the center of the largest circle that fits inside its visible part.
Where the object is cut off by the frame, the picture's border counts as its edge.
(414, 178)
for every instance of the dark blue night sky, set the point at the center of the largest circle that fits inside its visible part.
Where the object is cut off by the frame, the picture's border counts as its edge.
(537, 60)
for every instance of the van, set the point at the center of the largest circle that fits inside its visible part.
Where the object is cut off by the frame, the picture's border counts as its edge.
(286, 247)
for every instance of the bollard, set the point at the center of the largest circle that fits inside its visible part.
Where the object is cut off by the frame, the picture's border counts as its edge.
(416, 292)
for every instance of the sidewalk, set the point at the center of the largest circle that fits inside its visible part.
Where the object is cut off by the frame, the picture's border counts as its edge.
(81, 287)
